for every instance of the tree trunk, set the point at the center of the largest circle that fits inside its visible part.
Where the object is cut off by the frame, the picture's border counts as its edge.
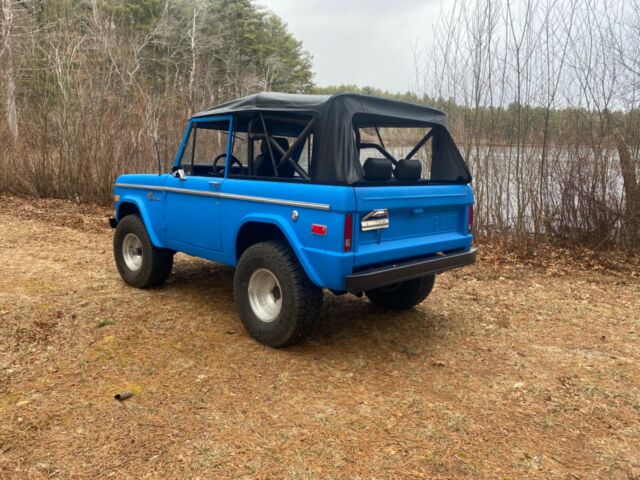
(8, 79)
(631, 192)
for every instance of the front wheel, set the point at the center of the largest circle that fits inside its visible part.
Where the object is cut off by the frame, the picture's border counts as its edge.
(139, 262)
(403, 295)
(278, 304)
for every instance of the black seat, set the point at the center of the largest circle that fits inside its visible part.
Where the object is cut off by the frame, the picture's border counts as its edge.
(263, 166)
(408, 170)
(377, 169)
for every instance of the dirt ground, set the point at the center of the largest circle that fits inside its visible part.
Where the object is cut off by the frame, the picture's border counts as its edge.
(509, 370)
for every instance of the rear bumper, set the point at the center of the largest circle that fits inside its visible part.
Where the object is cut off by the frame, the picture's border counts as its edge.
(400, 272)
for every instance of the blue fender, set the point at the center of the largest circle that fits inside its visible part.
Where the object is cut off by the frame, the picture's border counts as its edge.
(291, 237)
(144, 213)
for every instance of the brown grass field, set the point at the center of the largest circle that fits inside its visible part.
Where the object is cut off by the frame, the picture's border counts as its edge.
(511, 369)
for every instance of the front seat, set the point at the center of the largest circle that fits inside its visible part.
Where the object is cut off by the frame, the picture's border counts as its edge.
(263, 166)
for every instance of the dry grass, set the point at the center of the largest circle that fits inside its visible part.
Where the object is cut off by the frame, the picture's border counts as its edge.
(508, 370)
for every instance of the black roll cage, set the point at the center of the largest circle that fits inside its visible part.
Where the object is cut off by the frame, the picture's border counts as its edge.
(272, 143)
(287, 156)
(383, 150)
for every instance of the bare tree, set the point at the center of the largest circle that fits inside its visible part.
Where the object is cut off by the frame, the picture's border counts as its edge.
(624, 40)
(6, 61)
(544, 95)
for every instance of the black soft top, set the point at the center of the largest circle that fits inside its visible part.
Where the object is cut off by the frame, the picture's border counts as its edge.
(335, 152)
(338, 106)
(269, 101)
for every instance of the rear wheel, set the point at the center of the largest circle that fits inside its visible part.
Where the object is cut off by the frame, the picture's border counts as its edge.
(139, 262)
(403, 295)
(278, 304)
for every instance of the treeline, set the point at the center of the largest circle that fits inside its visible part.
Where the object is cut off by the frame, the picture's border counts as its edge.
(496, 122)
(94, 88)
(542, 97)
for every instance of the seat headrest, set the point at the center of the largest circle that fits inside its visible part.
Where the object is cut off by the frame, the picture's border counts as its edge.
(283, 142)
(378, 169)
(408, 170)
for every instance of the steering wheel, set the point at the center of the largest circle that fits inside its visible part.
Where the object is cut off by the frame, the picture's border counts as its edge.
(224, 155)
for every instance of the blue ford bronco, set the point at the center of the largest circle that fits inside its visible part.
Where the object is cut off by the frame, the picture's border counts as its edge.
(301, 193)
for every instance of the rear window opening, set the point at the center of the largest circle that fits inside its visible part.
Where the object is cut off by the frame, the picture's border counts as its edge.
(392, 152)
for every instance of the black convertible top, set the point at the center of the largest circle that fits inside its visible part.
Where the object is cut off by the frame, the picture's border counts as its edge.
(341, 103)
(269, 101)
(335, 152)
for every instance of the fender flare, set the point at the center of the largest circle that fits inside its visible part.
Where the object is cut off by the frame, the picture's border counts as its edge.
(290, 236)
(144, 213)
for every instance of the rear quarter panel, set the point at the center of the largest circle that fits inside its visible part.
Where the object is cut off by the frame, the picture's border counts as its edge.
(322, 257)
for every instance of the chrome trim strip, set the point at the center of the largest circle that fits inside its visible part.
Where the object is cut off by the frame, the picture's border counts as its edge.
(231, 196)
(140, 187)
(188, 191)
(276, 201)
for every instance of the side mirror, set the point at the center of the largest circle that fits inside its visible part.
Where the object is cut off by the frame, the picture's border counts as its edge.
(179, 173)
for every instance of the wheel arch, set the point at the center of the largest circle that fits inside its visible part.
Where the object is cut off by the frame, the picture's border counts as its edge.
(259, 228)
(127, 208)
(131, 206)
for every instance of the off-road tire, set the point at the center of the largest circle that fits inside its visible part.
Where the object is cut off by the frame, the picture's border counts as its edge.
(301, 299)
(156, 262)
(404, 295)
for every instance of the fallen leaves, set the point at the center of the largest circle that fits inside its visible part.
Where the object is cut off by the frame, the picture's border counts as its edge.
(506, 365)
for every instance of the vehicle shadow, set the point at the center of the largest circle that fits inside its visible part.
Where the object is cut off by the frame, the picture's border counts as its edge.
(345, 320)
(356, 321)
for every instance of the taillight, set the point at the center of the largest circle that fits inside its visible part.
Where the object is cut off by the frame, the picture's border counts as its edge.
(470, 225)
(348, 232)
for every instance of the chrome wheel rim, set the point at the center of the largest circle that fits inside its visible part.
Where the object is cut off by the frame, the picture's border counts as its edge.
(132, 251)
(265, 295)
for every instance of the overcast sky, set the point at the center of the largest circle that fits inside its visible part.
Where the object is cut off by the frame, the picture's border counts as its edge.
(362, 42)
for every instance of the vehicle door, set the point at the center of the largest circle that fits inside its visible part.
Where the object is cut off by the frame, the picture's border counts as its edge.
(192, 202)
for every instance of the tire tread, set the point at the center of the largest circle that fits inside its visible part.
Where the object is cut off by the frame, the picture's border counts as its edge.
(159, 262)
(307, 298)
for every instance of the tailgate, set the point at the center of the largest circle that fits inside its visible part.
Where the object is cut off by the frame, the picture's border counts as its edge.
(422, 220)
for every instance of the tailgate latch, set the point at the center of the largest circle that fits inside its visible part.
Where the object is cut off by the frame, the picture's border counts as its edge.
(375, 220)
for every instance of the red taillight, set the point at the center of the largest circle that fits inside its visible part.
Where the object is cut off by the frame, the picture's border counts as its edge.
(348, 232)
(470, 225)
(319, 229)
